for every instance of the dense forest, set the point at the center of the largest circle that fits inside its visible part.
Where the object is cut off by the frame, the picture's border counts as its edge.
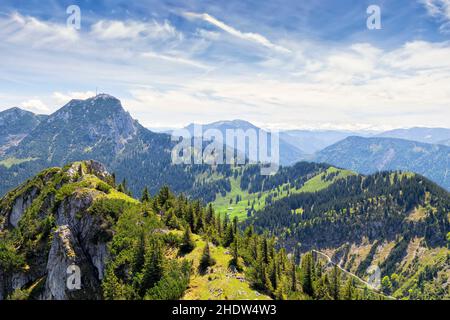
(404, 211)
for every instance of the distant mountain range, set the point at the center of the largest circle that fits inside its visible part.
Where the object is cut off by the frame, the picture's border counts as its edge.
(289, 152)
(426, 135)
(16, 124)
(99, 128)
(312, 141)
(369, 155)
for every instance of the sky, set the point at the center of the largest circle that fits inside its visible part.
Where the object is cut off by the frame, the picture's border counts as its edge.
(278, 64)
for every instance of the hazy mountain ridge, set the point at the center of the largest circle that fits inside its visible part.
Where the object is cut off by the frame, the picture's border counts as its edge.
(15, 125)
(420, 134)
(289, 152)
(369, 155)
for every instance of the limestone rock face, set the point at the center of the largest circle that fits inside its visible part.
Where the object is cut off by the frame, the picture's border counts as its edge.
(21, 204)
(76, 242)
(66, 262)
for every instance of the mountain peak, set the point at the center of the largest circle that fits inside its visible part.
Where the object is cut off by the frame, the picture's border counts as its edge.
(104, 97)
(98, 107)
(87, 128)
(15, 111)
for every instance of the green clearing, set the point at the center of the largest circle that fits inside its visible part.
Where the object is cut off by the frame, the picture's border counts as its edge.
(9, 162)
(221, 283)
(223, 206)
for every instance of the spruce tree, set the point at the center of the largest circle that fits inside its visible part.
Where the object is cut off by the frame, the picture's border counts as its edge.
(139, 254)
(145, 195)
(235, 254)
(206, 260)
(153, 266)
(335, 283)
(293, 276)
(306, 274)
(188, 244)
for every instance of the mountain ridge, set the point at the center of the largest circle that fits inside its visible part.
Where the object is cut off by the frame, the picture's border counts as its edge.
(369, 155)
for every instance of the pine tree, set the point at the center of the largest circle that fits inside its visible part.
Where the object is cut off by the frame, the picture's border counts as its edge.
(235, 254)
(235, 224)
(163, 196)
(322, 288)
(335, 283)
(293, 276)
(153, 266)
(188, 244)
(139, 254)
(145, 195)
(265, 249)
(306, 274)
(209, 216)
(206, 260)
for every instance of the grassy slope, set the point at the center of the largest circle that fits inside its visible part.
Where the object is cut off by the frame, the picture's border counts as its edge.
(222, 204)
(221, 283)
(9, 162)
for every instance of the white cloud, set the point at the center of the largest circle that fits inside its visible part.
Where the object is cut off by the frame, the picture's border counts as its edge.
(439, 9)
(359, 87)
(24, 29)
(35, 105)
(420, 55)
(120, 30)
(62, 98)
(248, 36)
(175, 59)
(179, 82)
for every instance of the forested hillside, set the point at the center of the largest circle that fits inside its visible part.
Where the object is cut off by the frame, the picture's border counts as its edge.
(370, 155)
(16, 124)
(399, 222)
(161, 247)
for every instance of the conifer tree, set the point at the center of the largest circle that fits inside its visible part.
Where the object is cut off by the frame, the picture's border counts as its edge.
(153, 266)
(235, 254)
(293, 276)
(188, 243)
(139, 254)
(306, 274)
(145, 195)
(335, 283)
(206, 260)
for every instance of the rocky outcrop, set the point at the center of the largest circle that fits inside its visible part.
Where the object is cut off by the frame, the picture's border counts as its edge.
(21, 204)
(67, 264)
(79, 241)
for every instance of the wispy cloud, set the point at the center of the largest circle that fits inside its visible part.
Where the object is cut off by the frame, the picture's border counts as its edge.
(121, 30)
(17, 28)
(35, 105)
(62, 98)
(175, 59)
(439, 9)
(248, 36)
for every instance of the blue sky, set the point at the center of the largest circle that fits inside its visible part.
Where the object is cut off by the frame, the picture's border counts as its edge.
(283, 64)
